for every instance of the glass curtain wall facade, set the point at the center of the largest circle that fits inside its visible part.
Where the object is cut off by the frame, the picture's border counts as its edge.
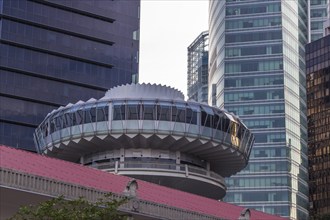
(257, 71)
(318, 99)
(53, 52)
(198, 68)
(318, 14)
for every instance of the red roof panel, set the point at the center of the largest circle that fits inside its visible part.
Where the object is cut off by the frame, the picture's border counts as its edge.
(60, 170)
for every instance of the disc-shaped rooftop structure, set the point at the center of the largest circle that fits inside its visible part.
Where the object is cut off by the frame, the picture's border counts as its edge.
(150, 132)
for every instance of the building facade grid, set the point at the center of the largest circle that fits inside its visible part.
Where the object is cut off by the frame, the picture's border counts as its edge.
(318, 99)
(198, 69)
(318, 13)
(257, 67)
(56, 52)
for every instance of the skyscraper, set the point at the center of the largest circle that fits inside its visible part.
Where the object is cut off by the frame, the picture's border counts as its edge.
(197, 75)
(257, 71)
(56, 52)
(318, 99)
(318, 14)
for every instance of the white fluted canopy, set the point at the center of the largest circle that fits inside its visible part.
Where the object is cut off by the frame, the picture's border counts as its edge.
(146, 91)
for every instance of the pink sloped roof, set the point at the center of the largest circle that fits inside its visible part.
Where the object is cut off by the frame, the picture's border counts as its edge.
(60, 170)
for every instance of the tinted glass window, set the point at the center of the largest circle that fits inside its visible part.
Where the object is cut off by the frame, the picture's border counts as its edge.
(133, 112)
(119, 112)
(164, 113)
(191, 116)
(149, 112)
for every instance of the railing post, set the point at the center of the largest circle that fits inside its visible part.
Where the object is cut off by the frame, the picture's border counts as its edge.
(82, 160)
(187, 171)
(122, 157)
(208, 169)
(116, 166)
(178, 161)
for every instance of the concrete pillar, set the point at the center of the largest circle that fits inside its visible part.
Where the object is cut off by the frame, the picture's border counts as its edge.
(178, 159)
(208, 168)
(122, 157)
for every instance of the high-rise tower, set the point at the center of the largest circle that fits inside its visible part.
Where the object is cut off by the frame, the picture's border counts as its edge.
(53, 52)
(257, 71)
(318, 98)
(317, 14)
(197, 75)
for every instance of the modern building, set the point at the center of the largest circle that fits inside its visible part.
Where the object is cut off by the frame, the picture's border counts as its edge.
(197, 75)
(326, 27)
(28, 179)
(150, 132)
(53, 52)
(317, 14)
(257, 71)
(318, 99)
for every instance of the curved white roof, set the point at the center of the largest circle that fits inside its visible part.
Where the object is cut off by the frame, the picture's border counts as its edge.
(145, 91)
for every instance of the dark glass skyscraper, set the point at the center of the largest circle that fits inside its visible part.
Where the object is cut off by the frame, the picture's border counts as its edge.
(257, 67)
(197, 74)
(318, 99)
(54, 52)
(318, 12)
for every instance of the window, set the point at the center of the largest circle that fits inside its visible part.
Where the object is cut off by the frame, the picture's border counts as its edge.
(102, 113)
(163, 112)
(191, 116)
(216, 122)
(79, 117)
(68, 120)
(149, 112)
(119, 112)
(178, 112)
(87, 116)
(133, 111)
(225, 124)
(93, 114)
(206, 119)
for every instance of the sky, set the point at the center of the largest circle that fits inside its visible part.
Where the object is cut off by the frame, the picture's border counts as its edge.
(167, 28)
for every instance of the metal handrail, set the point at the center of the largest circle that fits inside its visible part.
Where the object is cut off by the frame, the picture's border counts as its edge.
(183, 168)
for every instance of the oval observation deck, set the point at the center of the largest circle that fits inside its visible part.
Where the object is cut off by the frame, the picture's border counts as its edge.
(150, 132)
